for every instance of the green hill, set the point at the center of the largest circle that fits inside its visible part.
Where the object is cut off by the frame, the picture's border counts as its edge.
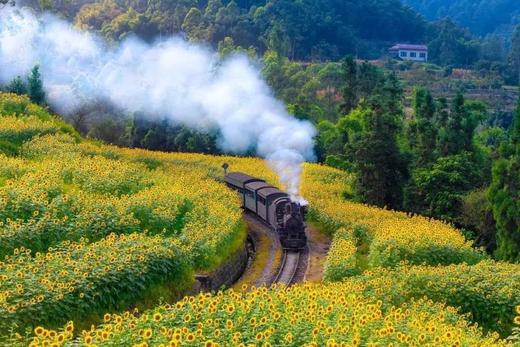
(480, 16)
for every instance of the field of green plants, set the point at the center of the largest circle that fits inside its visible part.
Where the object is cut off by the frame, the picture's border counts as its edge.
(92, 234)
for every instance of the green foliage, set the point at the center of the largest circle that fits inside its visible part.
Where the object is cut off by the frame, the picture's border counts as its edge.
(422, 129)
(35, 86)
(514, 55)
(17, 86)
(450, 45)
(161, 135)
(488, 291)
(380, 167)
(438, 190)
(311, 90)
(476, 213)
(504, 194)
(315, 29)
(480, 16)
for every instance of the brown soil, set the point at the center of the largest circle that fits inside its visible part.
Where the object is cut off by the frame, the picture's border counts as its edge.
(319, 245)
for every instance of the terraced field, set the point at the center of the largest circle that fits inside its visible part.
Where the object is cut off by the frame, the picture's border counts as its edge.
(94, 234)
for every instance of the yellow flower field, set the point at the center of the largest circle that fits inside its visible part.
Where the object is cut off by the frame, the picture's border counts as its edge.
(89, 230)
(303, 315)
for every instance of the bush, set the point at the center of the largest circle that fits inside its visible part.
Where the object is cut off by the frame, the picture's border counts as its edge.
(487, 291)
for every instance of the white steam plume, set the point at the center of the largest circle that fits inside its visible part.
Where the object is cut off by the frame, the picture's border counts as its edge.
(184, 82)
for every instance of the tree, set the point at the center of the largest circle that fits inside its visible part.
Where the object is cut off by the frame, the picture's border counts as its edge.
(17, 86)
(457, 134)
(35, 86)
(193, 24)
(451, 45)
(504, 194)
(423, 131)
(349, 71)
(493, 49)
(380, 166)
(514, 56)
(438, 190)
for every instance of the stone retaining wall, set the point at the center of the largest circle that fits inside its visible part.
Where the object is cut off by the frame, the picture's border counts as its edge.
(226, 274)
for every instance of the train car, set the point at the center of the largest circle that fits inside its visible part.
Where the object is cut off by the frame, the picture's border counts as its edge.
(272, 206)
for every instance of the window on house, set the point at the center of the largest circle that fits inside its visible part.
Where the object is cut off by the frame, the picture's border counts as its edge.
(403, 54)
(422, 55)
(413, 55)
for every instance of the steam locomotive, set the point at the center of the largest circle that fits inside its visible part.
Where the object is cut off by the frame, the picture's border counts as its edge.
(274, 207)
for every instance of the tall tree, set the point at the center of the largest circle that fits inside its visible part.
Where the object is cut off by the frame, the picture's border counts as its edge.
(457, 134)
(423, 128)
(380, 166)
(349, 91)
(514, 56)
(35, 86)
(504, 195)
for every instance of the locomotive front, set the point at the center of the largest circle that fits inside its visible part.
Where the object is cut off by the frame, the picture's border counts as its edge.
(292, 226)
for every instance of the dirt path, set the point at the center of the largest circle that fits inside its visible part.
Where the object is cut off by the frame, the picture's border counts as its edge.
(319, 245)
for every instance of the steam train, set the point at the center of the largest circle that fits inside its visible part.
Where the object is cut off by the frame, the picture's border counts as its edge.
(274, 207)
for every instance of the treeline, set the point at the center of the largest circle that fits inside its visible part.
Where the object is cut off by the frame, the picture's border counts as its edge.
(482, 17)
(439, 161)
(313, 29)
(317, 30)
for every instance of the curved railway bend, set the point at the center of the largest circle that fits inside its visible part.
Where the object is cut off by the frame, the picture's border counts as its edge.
(269, 264)
(293, 267)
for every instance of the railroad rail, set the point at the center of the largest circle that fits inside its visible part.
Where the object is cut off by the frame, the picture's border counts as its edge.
(293, 265)
(292, 262)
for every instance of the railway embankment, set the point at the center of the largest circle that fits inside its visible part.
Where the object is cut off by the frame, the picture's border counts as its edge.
(226, 274)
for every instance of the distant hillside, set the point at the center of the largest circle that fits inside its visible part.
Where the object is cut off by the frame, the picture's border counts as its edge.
(480, 16)
(312, 29)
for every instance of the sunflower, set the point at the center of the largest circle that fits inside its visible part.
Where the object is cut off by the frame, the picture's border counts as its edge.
(39, 331)
(190, 337)
(147, 333)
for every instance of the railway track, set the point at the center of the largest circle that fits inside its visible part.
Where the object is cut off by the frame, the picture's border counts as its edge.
(293, 267)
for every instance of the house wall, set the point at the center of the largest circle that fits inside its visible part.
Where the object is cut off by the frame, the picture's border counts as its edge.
(409, 55)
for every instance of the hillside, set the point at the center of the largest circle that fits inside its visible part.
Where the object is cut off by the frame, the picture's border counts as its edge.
(89, 228)
(481, 17)
(316, 29)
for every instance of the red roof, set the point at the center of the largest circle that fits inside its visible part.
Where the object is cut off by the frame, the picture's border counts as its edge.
(400, 46)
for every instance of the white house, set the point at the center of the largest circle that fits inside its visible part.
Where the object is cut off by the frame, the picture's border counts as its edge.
(410, 52)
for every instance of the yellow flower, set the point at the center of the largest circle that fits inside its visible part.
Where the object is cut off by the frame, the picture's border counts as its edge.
(147, 333)
(39, 331)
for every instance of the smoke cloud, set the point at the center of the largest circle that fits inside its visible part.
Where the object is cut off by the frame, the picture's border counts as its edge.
(186, 83)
